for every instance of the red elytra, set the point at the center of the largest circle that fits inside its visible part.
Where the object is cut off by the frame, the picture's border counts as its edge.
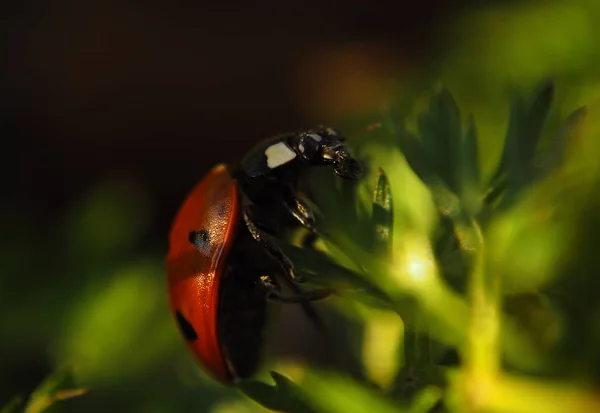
(220, 275)
(194, 272)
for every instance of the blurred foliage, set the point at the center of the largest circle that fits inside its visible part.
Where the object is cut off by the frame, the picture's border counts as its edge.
(58, 386)
(491, 268)
(465, 262)
(100, 306)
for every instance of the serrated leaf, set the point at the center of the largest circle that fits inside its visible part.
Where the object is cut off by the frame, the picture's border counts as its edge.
(282, 397)
(56, 387)
(262, 393)
(449, 206)
(441, 135)
(328, 193)
(382, 215)
(534, 121)
(523, 136)
(13, 405)
(416, 155)
(554, 155)
(468, 175)
(496, 190)
(356, 212)
(499, 181)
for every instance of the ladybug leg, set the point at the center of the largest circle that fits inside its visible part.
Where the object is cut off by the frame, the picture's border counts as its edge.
(307, 308)
(299, 210)
(273, 292)
(270, 247)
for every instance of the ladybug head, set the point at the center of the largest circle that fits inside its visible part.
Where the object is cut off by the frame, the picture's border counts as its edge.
(325, 146)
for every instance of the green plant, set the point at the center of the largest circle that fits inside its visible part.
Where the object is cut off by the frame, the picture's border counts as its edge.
(498, 270)
(56, 387)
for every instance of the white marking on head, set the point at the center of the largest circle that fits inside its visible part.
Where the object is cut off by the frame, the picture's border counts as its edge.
(279, 154)
(315, 137)
(331, 131)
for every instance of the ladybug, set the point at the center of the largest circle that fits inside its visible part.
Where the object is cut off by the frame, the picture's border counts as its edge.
(222, 268)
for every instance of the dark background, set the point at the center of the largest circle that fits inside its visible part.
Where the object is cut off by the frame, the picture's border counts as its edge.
(164, 91)
(156, 93)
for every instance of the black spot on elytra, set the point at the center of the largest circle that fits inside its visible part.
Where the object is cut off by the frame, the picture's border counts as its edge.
(186, 328)
(199, 239)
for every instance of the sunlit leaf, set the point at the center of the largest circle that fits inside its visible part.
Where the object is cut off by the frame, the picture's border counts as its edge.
(58, 386)
(381, 343)
(535, 236)
(426, 400)
(335, 393)
(413, 207)
(383, 213)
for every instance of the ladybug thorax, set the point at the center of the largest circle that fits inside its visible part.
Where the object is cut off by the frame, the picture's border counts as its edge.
(278, 154)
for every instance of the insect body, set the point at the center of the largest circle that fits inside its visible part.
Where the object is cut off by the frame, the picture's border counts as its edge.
(221, 266)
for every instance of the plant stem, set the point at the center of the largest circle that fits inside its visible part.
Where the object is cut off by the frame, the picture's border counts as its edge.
(481, 354)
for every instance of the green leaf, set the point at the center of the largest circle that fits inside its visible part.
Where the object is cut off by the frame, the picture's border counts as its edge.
(357, 210)
(522, 139)
(382, 215)
(416, 155)
(470, 191)
(329, 392)
(426, 400)
(56, 387)
(553, 157)
(416, 348)
(328, 192)
(510, 140)
(318, 268)
(532, 128)
(441, 134)
(13, 405)
(422, 355)
(283, 396)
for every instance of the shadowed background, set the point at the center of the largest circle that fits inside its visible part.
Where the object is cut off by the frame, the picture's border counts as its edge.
(164, 91)
(111, 111)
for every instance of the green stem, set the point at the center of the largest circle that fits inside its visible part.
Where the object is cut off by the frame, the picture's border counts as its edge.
(482, 353)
